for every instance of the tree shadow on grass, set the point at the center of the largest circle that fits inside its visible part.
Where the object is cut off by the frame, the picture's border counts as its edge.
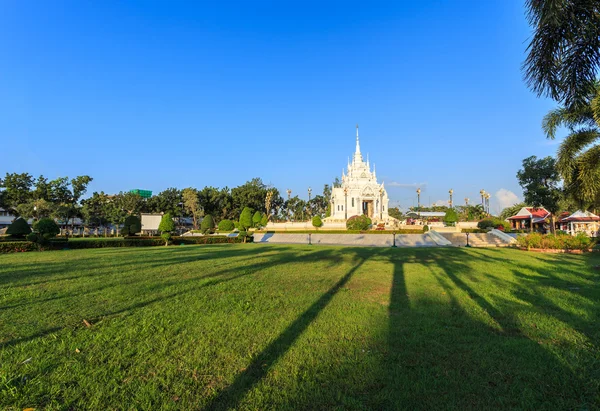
(260, 366)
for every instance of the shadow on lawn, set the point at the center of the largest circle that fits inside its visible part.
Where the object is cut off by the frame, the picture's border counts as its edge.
(438, 354)
(164, 284)
(260, 366)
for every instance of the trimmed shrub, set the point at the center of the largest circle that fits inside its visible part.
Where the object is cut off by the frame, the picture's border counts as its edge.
(131, 226)
(451, 217)
(165, 227)
(317, 222)
(236, 225)
(256, 219)
(46, 228)
(497, 223)
(226, 225)
(19, 228)
(425, 228)
(245, 219)
(18, 246)
(31, 237)
(264, 220)
(555, 242)
(208, 224)
(358, 222)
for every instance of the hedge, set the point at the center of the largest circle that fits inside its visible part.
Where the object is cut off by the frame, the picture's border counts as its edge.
(21, 246)
(388, 232)
(556, 242)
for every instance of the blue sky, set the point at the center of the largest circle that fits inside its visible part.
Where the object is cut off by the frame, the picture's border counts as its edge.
(150, 95)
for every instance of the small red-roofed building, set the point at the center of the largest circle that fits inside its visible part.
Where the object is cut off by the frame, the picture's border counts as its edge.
(580, 222)
(530, 217)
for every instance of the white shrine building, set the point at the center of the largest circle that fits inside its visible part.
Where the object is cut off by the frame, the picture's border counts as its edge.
(359, 192)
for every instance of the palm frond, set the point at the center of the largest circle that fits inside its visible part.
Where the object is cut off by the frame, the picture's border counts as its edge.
(588, 166)
(571, 148)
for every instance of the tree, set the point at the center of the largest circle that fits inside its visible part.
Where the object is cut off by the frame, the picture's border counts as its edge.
(264, 220)
(166, 227)
(94, 209)
(578, 156)
(451, 217)
(395, 213)
(511, 211)
(226, 225)
(167, 201)
(245, 222)
(246, 219)
(208, 224)
(192, 204)
(46, 228)
(256, 219)
(131, 226)
(251, 194)
(317, 222)
(17, 190)
(19, 228)
(540, 182)
(564, 52)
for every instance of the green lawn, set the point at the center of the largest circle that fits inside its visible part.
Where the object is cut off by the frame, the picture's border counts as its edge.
(254, 326)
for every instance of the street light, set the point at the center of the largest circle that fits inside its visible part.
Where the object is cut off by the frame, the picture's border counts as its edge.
(487, 201)
(466, 201)
(451, 191)
(289, 193)
(309, 193)
(394, 244)
(482, 192)
(418, 199)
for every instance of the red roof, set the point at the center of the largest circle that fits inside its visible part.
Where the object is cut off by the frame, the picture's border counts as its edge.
(538, 212)
(519, 217)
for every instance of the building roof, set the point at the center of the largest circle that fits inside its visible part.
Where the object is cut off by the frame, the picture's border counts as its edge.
(427, 214)
(581, 217)
(528, 213)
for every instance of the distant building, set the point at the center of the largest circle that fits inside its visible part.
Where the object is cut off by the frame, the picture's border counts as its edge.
(150, 223)
(359, 192)
(6, 218)
(580, 222)
(528, 217)
(142, 193)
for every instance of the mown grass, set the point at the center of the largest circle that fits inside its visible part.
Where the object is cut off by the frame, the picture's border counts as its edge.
(297, 327)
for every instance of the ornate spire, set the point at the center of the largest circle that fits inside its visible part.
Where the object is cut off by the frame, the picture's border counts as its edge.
(357, 156)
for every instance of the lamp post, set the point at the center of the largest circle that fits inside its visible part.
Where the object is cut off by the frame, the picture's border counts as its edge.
(346, 203)
(487, 201)
(451, 191)
(418, 199)
(467, 241)
(466, 201)
(482, 193)
(289, 193)
(308, 204)
(394, 244)
(309, 193)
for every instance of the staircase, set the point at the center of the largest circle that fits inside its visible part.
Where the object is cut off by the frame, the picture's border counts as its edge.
(475, 240)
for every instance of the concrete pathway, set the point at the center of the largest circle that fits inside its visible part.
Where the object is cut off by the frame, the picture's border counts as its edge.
(364, 240)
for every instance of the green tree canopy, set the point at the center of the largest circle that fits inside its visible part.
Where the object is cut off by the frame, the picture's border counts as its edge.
(46, 228)
(19, 228)
(541, 184)
(451, 217)
(167, 225)
(208, 224)
(317, 222)
(131, 226)
(246, 219)
(564, 53)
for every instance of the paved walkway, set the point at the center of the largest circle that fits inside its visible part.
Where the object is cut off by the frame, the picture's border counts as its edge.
(364, 240)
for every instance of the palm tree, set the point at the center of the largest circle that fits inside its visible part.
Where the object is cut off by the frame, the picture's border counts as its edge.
(579, 154)
(563, 56)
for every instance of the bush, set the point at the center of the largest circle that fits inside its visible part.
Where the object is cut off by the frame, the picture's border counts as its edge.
(425, 228)
(166, 224)
(18, 246)
(131, 226)
(236, 225)
(208, 224)
(317, 222)
(451, 217)
(166, 236)
(264, 220)
(256, 219)
(19, 228)
(555, 242)
(226, 225)
(358, 222)
(46, 228)
(31, 237)
(497, 223)
(245, 219)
